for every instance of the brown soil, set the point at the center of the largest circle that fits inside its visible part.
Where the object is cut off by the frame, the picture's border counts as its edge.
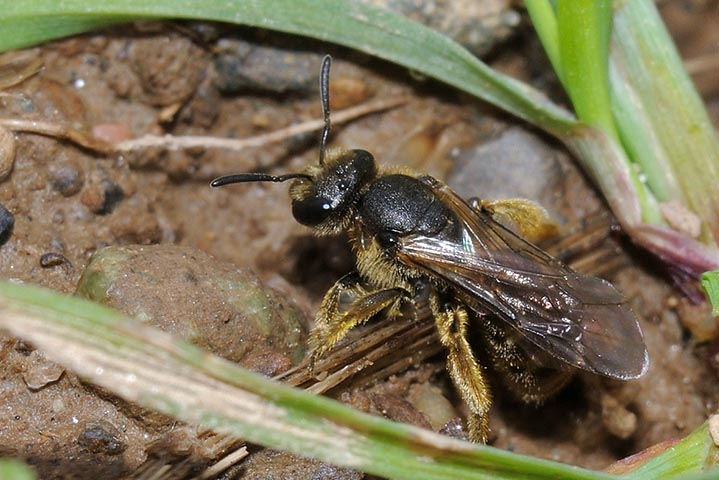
(69, 203)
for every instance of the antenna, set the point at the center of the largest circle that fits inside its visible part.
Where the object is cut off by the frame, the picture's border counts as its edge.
(325, 99)
(255, 177)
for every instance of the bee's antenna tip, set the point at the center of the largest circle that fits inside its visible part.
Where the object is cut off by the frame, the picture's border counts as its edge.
(325, 99)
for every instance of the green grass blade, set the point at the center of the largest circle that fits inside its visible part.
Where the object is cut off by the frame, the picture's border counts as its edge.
(693, 455)
(15, 470)
(584, 28)
(641, 141)
(710, 284)
(667, 129)
(150, 368)
(662, 151)
(369, 29)
(19, 32)
(575, 35)
(545, 24)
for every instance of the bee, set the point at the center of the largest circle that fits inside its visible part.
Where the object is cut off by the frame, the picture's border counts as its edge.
(413, 235)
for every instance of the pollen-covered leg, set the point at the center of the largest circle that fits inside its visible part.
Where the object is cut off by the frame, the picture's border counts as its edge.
(348, 304)
(463, 368)
(524, 217)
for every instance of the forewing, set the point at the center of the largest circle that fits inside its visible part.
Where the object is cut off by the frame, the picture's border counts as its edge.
(579, 319)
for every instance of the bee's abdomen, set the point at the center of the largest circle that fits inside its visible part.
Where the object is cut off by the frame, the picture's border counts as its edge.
(402, 205)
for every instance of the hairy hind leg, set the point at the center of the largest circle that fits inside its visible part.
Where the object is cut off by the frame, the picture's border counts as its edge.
(462, 365)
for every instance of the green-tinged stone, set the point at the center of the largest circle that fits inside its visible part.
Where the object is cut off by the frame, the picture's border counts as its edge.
(216, 305)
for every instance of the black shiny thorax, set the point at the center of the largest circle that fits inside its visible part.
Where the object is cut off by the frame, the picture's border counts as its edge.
(402, 205)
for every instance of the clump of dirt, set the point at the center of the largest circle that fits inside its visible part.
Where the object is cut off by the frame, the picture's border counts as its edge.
(230, 313)
(61, 206)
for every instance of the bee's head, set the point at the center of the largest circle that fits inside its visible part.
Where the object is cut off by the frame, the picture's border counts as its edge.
(324, 196)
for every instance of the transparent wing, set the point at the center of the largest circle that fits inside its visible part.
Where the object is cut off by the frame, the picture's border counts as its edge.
(580, 320)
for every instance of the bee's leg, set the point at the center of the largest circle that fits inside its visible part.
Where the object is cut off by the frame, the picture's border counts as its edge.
(523, 373)
(346, 305)
(463, 368)
(524, 217)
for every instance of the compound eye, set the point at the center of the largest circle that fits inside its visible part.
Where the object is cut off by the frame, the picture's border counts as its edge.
(312, 211)
(387, 240)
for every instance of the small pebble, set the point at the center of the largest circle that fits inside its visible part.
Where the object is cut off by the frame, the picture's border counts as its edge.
(53, 259)
(41, 371)
(66, 180)
(454, 429)
(7, 152)
(7, 220)
(102, 197)
(242, 65)
(475, 24)
(102, 438)
(170, 68)
(113, 195)
(112, 132)
(619, 421)
(714, 429)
